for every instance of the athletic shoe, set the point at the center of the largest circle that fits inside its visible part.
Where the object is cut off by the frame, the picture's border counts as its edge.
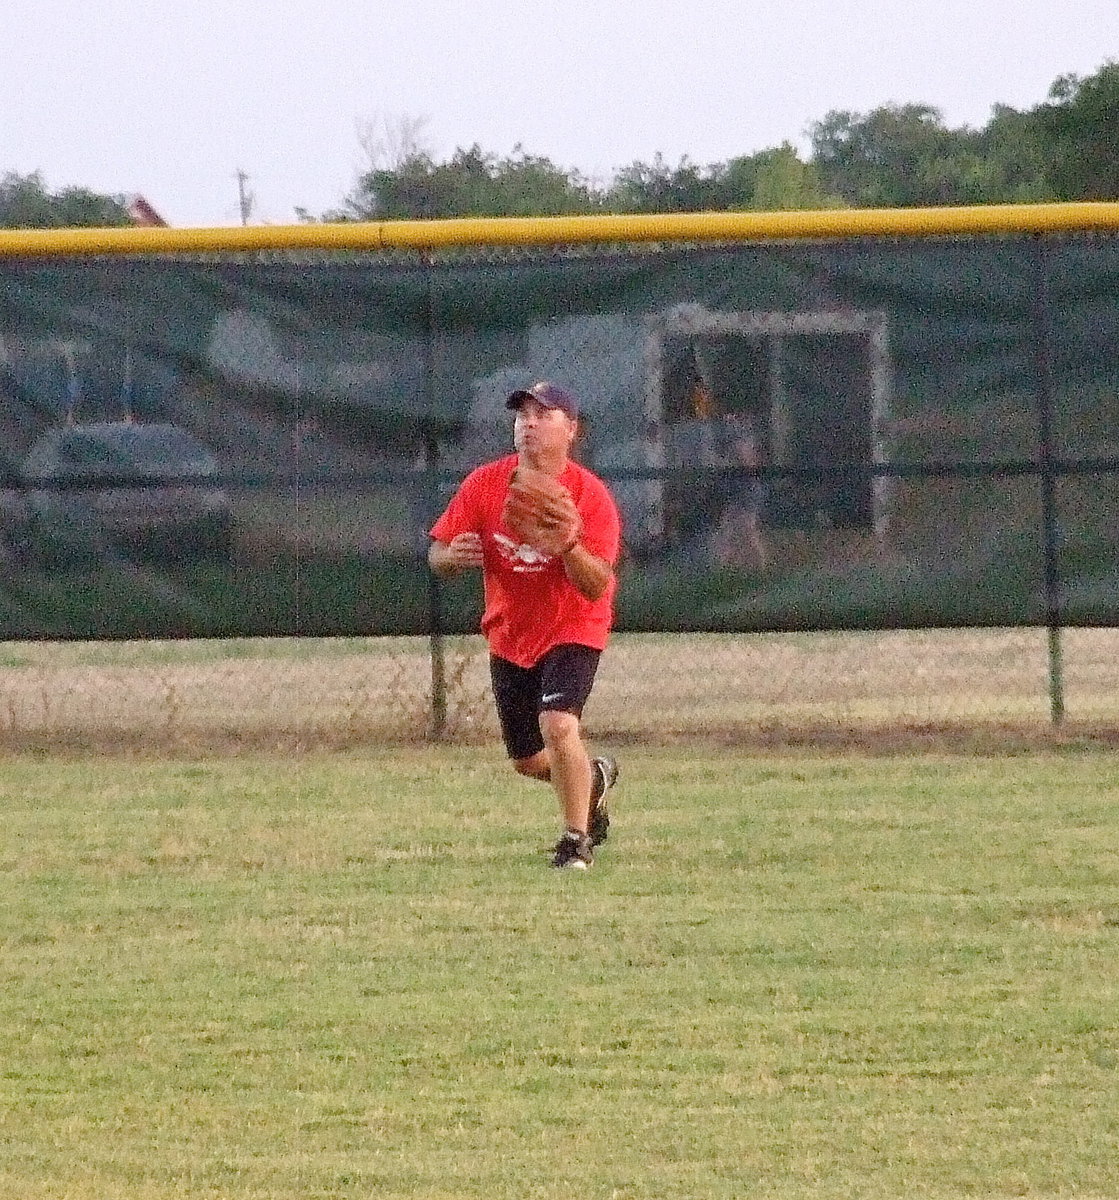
(605, 776)
(573, 851)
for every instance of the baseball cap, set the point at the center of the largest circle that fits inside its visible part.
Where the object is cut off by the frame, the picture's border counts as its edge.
(550, 395)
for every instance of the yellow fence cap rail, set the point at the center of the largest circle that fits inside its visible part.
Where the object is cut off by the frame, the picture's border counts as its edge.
(544, 231)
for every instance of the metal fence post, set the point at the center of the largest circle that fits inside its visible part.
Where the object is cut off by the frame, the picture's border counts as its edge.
(437, 717)
(437, 723)
(1051, 534)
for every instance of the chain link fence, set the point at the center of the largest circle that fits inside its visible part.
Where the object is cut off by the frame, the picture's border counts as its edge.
(218, 474)
(937, 688)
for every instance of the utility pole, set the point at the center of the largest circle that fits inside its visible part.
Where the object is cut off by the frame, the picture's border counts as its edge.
(244, 196)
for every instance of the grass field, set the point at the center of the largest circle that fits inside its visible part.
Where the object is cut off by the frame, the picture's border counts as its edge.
(351, 974)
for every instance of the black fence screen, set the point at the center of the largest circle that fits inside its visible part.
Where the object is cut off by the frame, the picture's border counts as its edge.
(857, 434)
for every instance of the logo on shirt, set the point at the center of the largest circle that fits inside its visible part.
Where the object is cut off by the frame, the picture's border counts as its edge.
(520, 556)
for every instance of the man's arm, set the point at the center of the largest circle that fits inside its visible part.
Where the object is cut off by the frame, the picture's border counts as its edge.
(589, 574)
(461, 553)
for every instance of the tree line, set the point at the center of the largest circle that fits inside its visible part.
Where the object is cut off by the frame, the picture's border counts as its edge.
(897, 155)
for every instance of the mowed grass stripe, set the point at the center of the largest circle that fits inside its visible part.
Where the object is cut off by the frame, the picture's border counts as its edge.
(353, 975)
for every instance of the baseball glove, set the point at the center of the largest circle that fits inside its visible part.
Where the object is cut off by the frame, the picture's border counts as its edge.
(540, 510)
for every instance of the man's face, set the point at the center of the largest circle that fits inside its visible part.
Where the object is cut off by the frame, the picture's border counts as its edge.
(540, 430)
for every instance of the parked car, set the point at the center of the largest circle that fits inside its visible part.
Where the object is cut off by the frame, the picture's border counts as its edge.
(118, 486)
(14, 536)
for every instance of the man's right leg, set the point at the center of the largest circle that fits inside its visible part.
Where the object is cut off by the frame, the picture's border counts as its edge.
(572, 775)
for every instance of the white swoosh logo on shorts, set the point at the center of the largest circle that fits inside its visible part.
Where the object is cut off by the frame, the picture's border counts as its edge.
(550, 697)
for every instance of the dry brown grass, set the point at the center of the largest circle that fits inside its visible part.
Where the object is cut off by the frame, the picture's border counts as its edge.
(966, 689)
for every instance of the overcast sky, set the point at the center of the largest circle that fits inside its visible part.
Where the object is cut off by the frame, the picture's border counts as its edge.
(171, 98)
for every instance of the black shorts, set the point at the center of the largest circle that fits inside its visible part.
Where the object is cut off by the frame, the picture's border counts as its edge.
(560, 682)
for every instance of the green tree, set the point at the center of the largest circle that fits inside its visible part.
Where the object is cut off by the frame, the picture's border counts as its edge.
(1012, 147)
(657, 187)
(26, 203)
(900, 156)
(770, 179)
(473, 183)
(1079, 130)
(782, 181)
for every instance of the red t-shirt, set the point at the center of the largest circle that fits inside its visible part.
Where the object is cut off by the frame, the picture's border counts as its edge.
(530, 604)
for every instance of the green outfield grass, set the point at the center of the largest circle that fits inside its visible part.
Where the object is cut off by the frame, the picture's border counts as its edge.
(353, 975)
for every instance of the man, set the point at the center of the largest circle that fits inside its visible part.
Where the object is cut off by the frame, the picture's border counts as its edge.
(547, 616)
(734, 502)
(738, 540)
